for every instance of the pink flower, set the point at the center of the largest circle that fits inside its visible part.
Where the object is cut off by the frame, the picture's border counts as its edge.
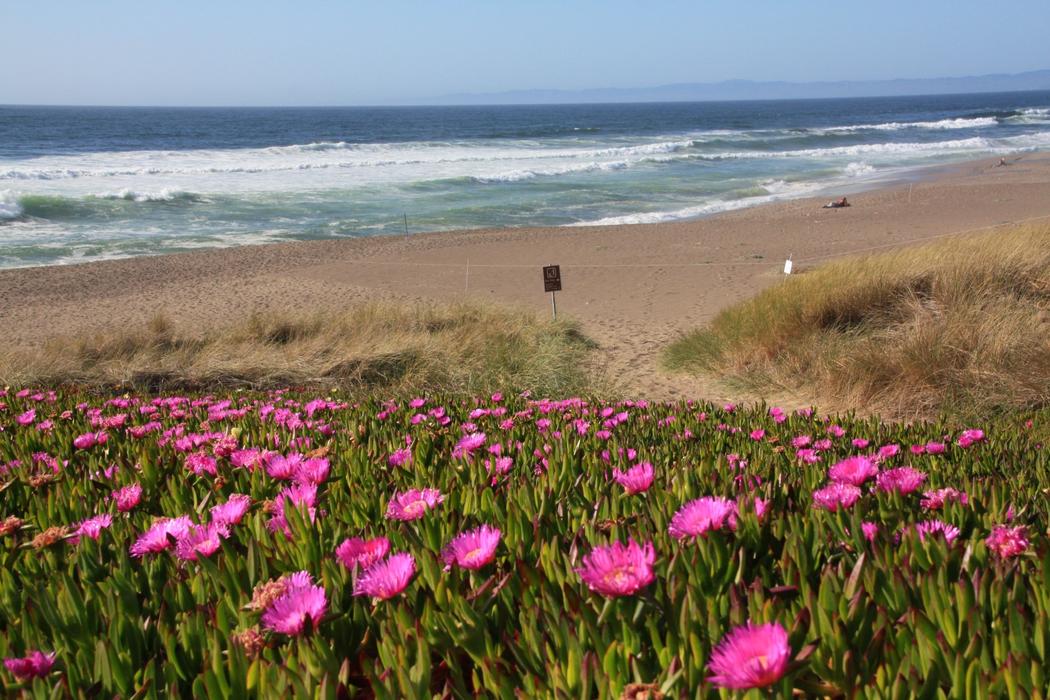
(301, 602)
(127, 498)
(836, 496)
(1007, 541)
(250, 459)
(970, 437)
(467, 444)
(935, 500)
(92, 527)
(412, 505)
(636, 479)
(201, 464)
(232, 511)
(903, 480)
(761, 507)
(27, 417)
(283, 468)
(400, 457)
(618, 569)
(758, 434)
(387, 578)
(750, 656)
(935, 448)
(870, 530)
(697, 517)
(930, 527)
(356, 551)
(89, 440)
(853, 470)
(298, 496)
(860, 443)
(202, 540)
(160, 536)
(889, 451)
(472, 549)
(36, 664)
(312, 471)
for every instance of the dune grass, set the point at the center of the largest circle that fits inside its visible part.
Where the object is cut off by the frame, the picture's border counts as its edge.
(456, 348)
(960, 326)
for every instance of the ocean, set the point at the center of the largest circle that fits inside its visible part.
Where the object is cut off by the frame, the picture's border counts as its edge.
(94, 183)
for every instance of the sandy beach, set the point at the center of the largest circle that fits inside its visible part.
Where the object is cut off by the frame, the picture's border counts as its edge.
(634, 288)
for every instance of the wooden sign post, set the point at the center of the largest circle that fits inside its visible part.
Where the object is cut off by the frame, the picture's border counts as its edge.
(552, 284)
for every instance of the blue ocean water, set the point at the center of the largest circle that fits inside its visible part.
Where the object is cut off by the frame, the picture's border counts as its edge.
(80, 183)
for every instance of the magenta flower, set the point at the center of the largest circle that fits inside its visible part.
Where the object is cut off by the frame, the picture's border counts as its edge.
(761, 506)
(400, 457)
(92, 527)
(387, 578)
(929, 528)
(936, 448)
(27, 417)
(1007, 541)
(750, 656)
(232, 511)
(36, 664)
(201, 464)
(467, 444)
(356, 551)
(412, 505)
(836, 496)
(935, 500)
(282, 468)
(302, 602)
(637, 479)
(903, 480)
(697, 517)
(203, 540)
(853, 470)
(870, 530)
(162, 535)
(312, 471)
(127, 498)
(472, 549)
(970, 437)
(618, 569)
(89, 440)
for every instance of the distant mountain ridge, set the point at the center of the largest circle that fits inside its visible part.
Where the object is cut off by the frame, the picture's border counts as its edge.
(763, 90)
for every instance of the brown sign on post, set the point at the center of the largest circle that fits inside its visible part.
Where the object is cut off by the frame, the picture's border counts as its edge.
(552, 278)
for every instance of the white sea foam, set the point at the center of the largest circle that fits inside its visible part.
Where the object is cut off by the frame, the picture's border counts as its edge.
(859, 169)
(164, 195)
(9, 206)
(941, 124)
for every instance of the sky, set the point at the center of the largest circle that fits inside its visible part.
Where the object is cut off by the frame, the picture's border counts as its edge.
(357, 52)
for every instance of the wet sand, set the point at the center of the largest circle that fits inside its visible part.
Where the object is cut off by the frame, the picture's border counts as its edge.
(634, 288)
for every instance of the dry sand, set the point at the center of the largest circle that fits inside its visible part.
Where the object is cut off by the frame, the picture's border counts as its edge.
(634, 288)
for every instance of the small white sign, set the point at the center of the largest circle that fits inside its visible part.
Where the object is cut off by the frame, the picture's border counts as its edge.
(787, 266)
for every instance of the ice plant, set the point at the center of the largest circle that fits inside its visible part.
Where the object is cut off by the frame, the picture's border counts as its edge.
(618, 569)
(92, 527)
(853, 470)
(697, 517)
(903, 480)
(387, 578)
(637, 479)
(1007, 541)
(162, 535)
(750, 656)
(836, 496)
(36, 664)
(356, 551)
(472, 549)
(300, 604)
(127, 497)
(201, 540)
(413, 504)
(232, 511)
(935, 500)
(929, 528)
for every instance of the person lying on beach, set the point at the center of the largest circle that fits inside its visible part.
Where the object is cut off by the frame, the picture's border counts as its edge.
(837, 204)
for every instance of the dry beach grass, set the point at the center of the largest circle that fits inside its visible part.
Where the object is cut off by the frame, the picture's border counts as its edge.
(962, 324)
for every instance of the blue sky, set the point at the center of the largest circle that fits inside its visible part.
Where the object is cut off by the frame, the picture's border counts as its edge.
(344, 52)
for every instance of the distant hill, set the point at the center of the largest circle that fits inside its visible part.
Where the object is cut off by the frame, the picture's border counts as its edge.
(763, 90)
